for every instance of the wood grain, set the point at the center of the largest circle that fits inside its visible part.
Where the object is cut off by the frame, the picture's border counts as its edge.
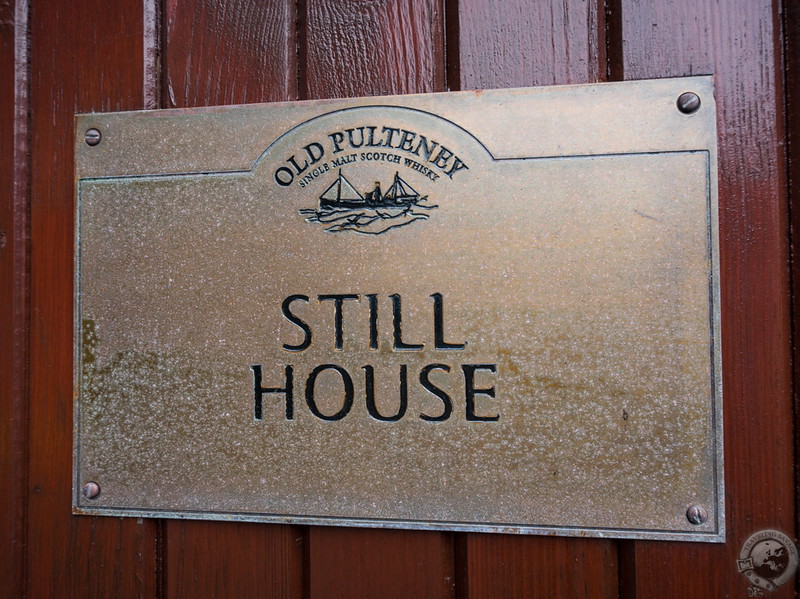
(740, 44)
(792, 81)
(527, 42)
(390, 564)
(14, 293)
(218, 52)
(230, 53)
(98, 69)
(511, 44)
(231, 559)
(363, 48)
(522, 566)
(360, 48)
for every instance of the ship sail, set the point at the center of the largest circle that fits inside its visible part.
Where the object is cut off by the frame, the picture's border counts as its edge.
(341, 191)
(401, 192)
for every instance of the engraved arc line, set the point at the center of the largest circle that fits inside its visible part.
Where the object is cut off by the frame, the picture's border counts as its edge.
(355, 108)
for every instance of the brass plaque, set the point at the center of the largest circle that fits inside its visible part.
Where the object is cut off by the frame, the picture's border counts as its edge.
(491, 311)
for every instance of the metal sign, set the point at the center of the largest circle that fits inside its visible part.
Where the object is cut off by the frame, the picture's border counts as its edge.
(491, 311)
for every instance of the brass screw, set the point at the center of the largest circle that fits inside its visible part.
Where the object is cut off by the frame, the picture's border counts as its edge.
(92, 137)
(688, 102)
(697, 515)
(91, 490)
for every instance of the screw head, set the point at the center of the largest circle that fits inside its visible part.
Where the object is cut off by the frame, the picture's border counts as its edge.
(92, 137)
(688, 102)
(697, 515)
(91, 490)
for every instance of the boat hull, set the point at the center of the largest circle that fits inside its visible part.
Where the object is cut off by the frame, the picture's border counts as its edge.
(333, 204)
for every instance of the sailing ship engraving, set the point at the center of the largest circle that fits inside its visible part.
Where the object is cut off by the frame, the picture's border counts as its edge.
(343, 208)
(341, 194)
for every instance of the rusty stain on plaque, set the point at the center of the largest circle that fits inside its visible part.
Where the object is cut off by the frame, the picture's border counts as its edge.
(492, 311)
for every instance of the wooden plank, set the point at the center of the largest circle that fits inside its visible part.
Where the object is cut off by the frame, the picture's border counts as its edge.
(362, 49)
(218, 52)
(373, 48)
(14, 246)
(238, 559)
(346, 563)
(527, 42)
(84, 55)
(230, 53)
(519, 566)
(512, 44)
(739, 42)
(792, 74)
(524, 566)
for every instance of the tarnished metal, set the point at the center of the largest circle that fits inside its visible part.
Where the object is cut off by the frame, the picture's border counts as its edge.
(492, 311)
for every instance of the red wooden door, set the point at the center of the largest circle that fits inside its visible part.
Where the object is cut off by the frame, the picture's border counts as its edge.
(91, 55)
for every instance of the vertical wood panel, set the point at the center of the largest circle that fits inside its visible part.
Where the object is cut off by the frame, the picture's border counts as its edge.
(518, 566)
(229, 559)
(524, 43)
(792, 70)
(349, 562)
(14, 245)
(85, 55)
(360, 48)
(740, 44)
(217, 52)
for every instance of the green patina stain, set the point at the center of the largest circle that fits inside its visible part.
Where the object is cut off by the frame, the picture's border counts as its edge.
(88, 341)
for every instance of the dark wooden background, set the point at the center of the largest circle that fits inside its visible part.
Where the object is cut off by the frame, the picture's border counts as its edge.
(60, 57)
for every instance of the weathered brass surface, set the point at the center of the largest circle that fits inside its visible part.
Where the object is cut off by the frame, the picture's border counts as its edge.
(517, 332)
